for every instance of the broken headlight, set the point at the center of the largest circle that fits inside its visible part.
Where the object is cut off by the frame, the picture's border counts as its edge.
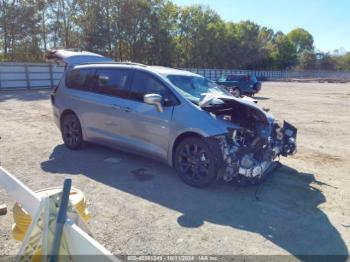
(289, 130)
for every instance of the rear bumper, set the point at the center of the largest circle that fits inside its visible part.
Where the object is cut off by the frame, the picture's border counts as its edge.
(251, 89)
(257, 87)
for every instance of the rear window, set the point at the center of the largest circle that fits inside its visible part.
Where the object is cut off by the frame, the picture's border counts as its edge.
(244, 78)
(248, 78)
(77, 78)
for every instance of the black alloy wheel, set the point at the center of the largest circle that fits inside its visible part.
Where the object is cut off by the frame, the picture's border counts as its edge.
(195, 162)
(235, 92)
(71, 132)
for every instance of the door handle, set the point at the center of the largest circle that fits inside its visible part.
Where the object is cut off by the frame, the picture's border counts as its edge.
(116, 107)
(127, 109)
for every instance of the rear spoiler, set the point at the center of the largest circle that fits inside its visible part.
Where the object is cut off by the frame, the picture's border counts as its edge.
(72, 58)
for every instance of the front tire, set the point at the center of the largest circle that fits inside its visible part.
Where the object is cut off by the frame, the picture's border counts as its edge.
(235, 92)
(71, 132)
(195, 162)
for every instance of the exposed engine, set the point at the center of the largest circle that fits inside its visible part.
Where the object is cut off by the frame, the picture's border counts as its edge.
(252, 157)
(249, 152)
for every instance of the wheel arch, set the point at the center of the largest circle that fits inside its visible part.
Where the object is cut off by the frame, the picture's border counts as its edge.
(213, 145)
(236, 87)
(65, 113)
(177, 141)
(68, 112)
(239, 88)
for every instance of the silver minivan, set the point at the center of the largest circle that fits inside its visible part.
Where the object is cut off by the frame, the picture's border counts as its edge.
(175, 116)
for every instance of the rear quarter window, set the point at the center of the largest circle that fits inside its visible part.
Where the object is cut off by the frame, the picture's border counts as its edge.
(253, 78)
(231, 78)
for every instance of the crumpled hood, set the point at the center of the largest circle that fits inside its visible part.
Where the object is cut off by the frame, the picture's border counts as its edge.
(219, 99)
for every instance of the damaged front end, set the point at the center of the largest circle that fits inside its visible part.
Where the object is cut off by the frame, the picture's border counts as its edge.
(249, 152)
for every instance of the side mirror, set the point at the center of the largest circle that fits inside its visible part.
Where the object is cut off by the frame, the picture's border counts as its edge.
(154, 99)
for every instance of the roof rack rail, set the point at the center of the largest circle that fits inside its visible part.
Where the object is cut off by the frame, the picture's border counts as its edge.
(114, 62)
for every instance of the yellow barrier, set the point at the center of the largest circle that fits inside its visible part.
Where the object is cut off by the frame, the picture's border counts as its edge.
(23, 219)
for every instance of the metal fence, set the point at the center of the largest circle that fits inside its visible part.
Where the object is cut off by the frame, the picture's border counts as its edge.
(214, 74)
(35, 75)
(29, 76)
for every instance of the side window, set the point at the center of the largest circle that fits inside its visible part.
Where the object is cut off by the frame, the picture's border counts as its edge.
(231, 78)
(112, 81)
(77, 79)
(144, 83)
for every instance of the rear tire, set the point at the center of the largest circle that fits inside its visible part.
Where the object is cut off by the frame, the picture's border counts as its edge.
(195, 162)
(71, 132)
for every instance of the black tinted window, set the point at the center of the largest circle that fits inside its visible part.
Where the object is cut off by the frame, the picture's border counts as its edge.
(111, 81)
(231, 78)
(78, 78)
(144, 83)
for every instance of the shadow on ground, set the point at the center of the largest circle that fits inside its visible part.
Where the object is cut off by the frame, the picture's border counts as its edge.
(287, 213)
(261, 98)
(25, 95)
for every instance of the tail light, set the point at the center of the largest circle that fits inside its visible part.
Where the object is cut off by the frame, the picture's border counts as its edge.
(55, 88)
(247, 78)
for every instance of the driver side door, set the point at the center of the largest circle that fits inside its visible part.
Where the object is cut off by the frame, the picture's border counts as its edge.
(148, 128)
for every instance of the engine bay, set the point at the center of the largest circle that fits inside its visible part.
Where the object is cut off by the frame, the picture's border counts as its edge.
(249, 152)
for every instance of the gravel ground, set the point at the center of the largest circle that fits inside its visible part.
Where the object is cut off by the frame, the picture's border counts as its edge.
(302, 208)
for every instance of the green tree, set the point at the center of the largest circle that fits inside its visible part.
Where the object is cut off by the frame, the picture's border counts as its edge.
(283, 53)
(229, 47)
(307, 60)
(343, 61)
(92, 22)
(20, 30)
(326, 62)
(153, 32)
(197, 38)
(163, 26)
(301, 39)
(253, 41)
(63, 31)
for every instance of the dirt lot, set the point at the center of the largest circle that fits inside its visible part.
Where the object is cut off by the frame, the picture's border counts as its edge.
(302, 208)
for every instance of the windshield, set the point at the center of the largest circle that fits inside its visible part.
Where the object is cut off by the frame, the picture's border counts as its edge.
(193, 87)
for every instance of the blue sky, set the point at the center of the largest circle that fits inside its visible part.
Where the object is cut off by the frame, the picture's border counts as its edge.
(328, 21)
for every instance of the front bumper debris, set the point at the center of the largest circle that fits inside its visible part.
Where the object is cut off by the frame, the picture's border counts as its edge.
(254, 161)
